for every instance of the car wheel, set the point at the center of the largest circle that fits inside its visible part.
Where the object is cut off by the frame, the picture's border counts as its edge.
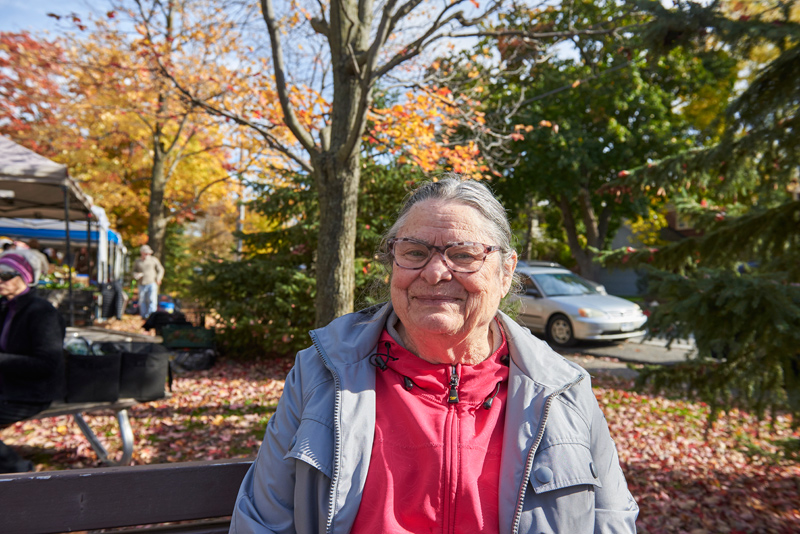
(559, 331)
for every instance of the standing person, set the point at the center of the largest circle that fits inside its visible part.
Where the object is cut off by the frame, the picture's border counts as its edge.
(31, 349)
(436, 411)
(149, 272)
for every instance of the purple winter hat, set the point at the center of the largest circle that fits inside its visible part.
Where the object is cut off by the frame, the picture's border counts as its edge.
(19, 264)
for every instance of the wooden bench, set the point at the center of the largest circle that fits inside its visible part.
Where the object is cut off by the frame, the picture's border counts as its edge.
(76, 410)
(200, 495)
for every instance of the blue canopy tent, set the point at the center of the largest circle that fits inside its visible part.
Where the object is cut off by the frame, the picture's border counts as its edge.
(110, 251)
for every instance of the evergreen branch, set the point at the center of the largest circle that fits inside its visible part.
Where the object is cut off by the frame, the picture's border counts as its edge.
(730, 161)
(766, 236)
(742, 325)
(775, 88)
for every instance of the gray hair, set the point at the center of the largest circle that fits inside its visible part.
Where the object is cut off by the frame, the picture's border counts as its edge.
(451, 187)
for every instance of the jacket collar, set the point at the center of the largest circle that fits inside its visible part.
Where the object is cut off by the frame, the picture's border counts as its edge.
(352, 338)
(535, 359)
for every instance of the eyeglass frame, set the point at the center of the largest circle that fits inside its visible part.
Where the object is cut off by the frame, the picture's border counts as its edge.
(4, 278)
(488, 249)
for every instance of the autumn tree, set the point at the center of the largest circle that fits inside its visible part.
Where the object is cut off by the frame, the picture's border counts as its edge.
(32, 102)
(735, 287)
(120, 78)
(324, 84)
(146, 154)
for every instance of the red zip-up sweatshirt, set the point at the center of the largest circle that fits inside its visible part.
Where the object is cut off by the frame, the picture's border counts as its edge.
(436, 456)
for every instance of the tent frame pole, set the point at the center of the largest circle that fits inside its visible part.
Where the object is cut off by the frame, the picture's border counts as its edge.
(68, 258)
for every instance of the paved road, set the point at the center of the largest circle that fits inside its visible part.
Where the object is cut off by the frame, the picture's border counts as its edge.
(613, 358)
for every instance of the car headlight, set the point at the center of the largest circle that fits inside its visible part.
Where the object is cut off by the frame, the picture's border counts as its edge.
(591, 313)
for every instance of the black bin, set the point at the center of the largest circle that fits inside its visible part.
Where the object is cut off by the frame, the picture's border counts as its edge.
(92, 378)
(143, 372)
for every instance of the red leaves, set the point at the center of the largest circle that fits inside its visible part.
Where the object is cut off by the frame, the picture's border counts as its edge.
(685, 483)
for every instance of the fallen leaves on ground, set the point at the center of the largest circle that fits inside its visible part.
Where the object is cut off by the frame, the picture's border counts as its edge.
(732, 480)
(220, 413)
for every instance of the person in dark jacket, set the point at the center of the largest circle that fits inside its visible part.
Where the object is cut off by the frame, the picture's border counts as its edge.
(31, 350)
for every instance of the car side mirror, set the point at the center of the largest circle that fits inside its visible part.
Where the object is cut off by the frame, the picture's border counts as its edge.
(533, 292)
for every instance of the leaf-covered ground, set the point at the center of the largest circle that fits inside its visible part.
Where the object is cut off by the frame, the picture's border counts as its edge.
(734, 480)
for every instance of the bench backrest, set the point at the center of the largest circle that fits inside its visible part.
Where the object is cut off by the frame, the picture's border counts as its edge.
(85, 499)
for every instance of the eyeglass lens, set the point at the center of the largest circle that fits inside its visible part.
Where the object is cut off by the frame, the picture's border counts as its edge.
(8, 275)
(465, 258)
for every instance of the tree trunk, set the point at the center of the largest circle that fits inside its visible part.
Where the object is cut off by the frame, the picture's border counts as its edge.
(583, 257)
(337, 168)
(335, 272)
(157, 224)
(530, 230)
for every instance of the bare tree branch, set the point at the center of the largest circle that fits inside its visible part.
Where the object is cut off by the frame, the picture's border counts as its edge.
(302, 135)
(271, 140)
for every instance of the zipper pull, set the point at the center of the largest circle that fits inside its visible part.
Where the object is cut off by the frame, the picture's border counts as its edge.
(453, 398)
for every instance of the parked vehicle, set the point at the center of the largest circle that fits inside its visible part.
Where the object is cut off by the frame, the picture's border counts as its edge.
(565, 308)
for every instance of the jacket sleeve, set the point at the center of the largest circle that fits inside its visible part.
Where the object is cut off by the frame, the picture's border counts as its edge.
(266, 500)
(44, 338)
(615, 508)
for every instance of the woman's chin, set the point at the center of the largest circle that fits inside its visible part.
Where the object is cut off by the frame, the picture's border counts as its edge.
(441, 323)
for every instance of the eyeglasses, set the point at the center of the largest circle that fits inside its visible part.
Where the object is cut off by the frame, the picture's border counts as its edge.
(464, 257)
(5, 276)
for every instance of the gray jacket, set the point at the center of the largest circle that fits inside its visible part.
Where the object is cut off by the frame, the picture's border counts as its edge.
(559, 470)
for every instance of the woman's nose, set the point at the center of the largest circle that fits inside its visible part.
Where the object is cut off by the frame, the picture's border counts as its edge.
(436, 270)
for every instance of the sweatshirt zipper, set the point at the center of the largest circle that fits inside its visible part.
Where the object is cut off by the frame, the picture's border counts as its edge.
(451, 447)
(453, 397)
(336, 432)
(529, 461)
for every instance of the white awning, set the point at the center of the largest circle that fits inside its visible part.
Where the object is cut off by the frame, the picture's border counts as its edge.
(33, 187)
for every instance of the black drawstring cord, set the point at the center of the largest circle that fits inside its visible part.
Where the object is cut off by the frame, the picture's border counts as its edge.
(380, 360)
(407, 383)
(489, 400)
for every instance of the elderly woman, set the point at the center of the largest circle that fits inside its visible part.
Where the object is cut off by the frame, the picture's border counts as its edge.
(436, 412)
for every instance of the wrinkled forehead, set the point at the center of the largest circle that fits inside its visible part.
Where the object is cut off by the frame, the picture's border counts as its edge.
(448, 221)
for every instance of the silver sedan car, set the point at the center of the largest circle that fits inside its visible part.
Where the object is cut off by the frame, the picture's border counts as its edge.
(565, 308)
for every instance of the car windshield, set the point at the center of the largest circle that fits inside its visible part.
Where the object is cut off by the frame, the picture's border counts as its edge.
(563, 284)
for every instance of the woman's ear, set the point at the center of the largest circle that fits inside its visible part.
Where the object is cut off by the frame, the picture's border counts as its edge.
(508, 271)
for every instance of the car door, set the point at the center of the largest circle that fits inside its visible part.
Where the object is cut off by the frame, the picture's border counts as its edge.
(532, 312)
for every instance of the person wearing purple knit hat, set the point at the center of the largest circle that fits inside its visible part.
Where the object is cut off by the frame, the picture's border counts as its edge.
(31, 349)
